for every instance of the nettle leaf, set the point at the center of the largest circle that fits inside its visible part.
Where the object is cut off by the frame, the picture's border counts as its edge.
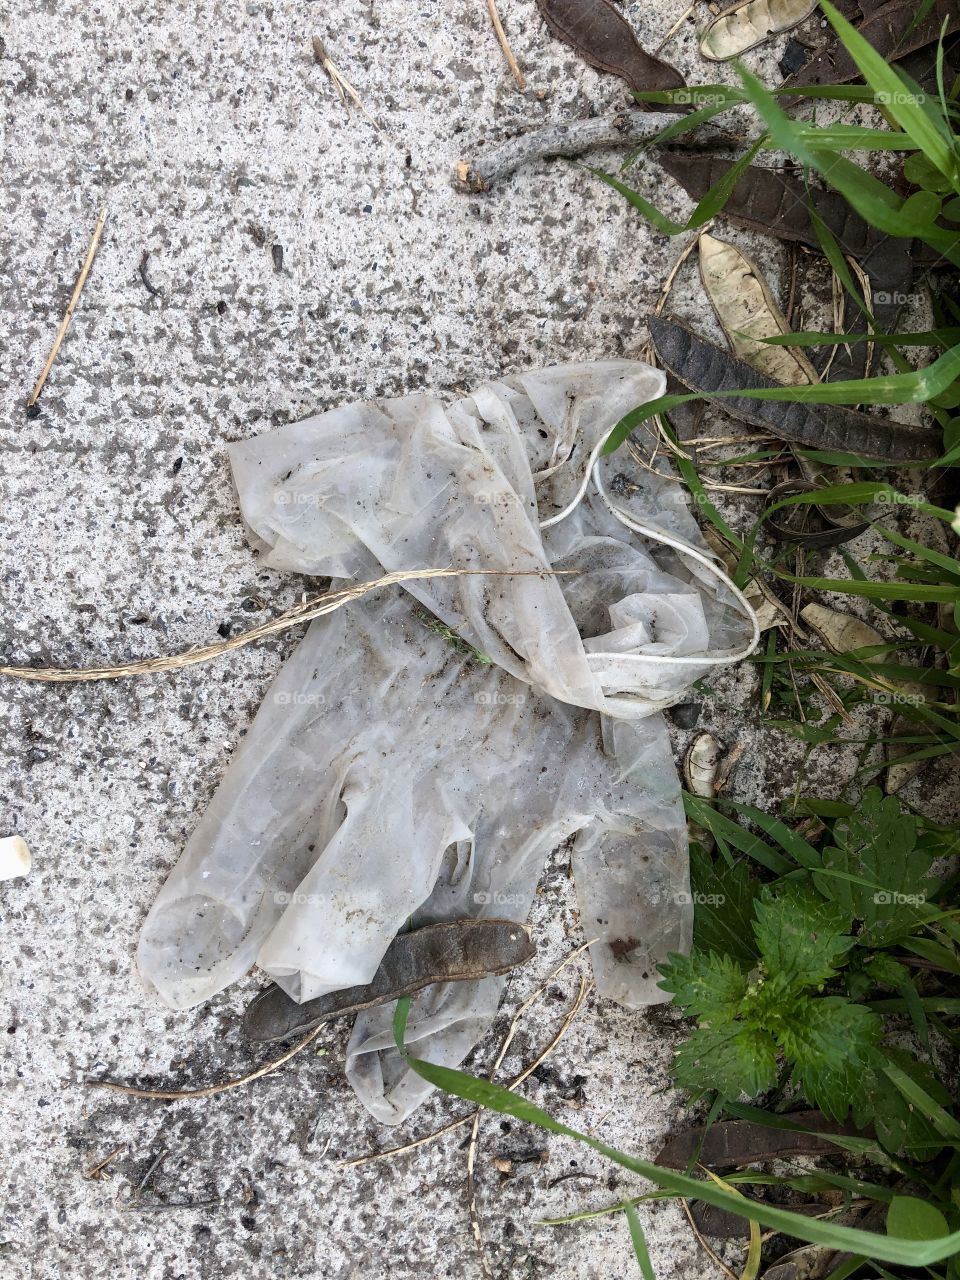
(708, 986)
(800, 937)
(723, 899)
(884, 971)
(831, 1042)
(901, 1128)
(875, 872)
(733, 1060)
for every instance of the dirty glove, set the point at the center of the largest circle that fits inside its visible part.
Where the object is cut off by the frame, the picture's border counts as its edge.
(395, 776)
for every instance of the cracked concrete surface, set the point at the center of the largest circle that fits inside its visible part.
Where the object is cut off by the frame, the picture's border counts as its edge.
(297, 258)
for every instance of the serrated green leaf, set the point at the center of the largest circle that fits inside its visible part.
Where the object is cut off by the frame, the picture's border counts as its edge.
(831, 1043)
(732, 1060)
(705, 985)
(879, 876)
(800, 936)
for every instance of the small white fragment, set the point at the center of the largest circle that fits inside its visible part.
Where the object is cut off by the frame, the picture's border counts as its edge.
(15, 857)
(701, 765)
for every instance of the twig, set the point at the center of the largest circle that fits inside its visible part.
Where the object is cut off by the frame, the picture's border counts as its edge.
(703, 1244)
(569, 138)
(675, 28)
(342, 85)
(174, 1095)
(472, 1200)
(317, 607)
(154, 1166)
(71, 307)
(505, 44)
(94, 1172)
(585, 985)
(137, 1206)
(511, 1085)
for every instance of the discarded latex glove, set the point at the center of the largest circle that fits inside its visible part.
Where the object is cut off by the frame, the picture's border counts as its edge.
(392, 776)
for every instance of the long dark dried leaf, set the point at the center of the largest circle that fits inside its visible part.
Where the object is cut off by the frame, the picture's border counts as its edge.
(455, 951)
(775, 202)
(732, 1144)
(708, 369)
(892, 29)
(602, 36)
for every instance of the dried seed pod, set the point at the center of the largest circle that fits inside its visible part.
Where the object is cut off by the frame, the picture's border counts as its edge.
(745, 25)
(899, 773)
(602, 36)
(701, 765)
(455, 951)
(15, 858)
(842, 633)
(748, 312)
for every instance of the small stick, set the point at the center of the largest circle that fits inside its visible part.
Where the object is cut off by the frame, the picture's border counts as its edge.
(148, 284)
(675, 28)
(585, 985)
(95, 1170)
(174, 1095)
(570, 138)
(342, 85)
(71, 307)
(717, 1261)
(155, 1165)
(505, 44)
(137, 1206)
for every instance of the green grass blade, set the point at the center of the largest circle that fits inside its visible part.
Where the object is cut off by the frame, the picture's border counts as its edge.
(942, 1121)
(885, 1248)
(901, 104)
(722, 827)
(639, 1242)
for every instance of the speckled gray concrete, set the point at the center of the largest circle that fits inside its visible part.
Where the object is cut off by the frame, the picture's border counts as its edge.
(213, 137)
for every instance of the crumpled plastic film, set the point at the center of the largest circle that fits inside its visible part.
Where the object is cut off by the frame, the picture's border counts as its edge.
(395, 775)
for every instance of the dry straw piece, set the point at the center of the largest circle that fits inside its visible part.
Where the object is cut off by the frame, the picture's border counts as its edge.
(71, 308)
(318, 607)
